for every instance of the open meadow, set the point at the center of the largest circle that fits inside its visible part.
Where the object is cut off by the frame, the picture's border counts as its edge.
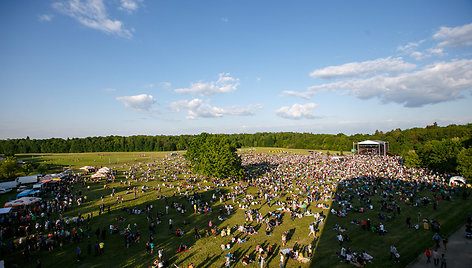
(163, 180)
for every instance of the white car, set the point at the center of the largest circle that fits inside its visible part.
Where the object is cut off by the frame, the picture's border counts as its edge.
(5, 190)
(22, 188)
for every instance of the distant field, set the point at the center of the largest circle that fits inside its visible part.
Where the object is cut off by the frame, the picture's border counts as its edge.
(112, 159)
(77, 160)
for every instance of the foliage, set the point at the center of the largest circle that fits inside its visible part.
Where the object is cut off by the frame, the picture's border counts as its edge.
(214, 155)
(27, 168)
(464, 159)
(441, 155)
(43, 167)
(9, 167)
(411, 159)
(437, 147)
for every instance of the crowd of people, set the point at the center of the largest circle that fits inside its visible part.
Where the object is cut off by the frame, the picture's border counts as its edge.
(274, 186)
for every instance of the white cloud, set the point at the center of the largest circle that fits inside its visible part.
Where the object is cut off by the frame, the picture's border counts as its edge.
(439, 82)
(196, 108)
(460, 36)
(92, 14)
(436, 52)
(303, 95)
(224, 84)
(45, 17)
(166, 85)
(365, 68)
(138, 103)
(410, 46)
(430, 52)
(297, 111)
(417, 55)
(129, 5)
(224, 19)
(110, 89)
(148, 86)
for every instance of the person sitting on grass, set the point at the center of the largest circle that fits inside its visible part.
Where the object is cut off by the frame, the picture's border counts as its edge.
(182, 248)
(179, 232)
(247, 260)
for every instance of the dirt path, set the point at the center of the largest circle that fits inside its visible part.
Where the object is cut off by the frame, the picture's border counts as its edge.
(458, 254)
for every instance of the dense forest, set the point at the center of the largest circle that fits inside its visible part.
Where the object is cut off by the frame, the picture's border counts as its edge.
(442, 148)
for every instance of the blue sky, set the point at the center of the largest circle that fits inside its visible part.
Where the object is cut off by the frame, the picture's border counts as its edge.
(78, 68)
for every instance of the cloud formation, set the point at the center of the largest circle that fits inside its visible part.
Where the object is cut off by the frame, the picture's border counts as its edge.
(196, 108)
(138, 103)
(393, 80)
(460, 36)
(439, 82)
(92, 14)
(224, 84)
(408, 48)
(45, 17)
(297, 111)
(129, 5)
(365, 68)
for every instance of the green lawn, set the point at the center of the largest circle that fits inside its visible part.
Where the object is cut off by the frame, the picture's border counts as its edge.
(206, 252)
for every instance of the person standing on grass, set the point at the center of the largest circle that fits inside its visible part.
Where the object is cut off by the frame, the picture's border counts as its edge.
(102, 247)
(393, 251)
(437, 239)
(282, 260)
(170, 223)
(428, 255)
(79, 250)
(284, 238)
(312, 229)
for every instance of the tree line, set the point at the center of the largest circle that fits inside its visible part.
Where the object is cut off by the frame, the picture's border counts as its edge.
(441, 148)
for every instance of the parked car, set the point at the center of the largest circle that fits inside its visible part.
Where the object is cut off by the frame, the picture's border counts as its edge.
(21, 188)
(5, 190)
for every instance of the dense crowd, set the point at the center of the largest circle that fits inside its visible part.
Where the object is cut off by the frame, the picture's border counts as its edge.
(289, 184)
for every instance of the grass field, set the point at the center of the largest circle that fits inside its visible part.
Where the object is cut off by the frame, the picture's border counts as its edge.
(206, 252)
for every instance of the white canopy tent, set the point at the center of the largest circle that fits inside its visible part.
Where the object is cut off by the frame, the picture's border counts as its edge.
(87, 167)
(22, 201)
(457, 180)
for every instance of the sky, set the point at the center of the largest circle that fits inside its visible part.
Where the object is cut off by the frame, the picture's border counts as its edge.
(81, 68)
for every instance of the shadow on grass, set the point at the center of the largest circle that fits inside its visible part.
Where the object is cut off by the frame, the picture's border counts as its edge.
(409, 242)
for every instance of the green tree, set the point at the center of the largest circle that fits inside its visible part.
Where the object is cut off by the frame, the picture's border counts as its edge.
(441, 155)
(9, 167)
(27, 168)
(214, 156)
(411, 159)
(464, 159)
(43, 167)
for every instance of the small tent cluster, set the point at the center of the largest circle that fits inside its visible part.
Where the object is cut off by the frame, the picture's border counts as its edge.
(101, 173)
(23, 201)
(457, 180)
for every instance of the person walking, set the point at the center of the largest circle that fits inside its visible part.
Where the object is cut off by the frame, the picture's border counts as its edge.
(393, 251)
(79, 250)
(436, 257)
(428, 255)
(443, 261)
(282, 260)
(445, 240)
